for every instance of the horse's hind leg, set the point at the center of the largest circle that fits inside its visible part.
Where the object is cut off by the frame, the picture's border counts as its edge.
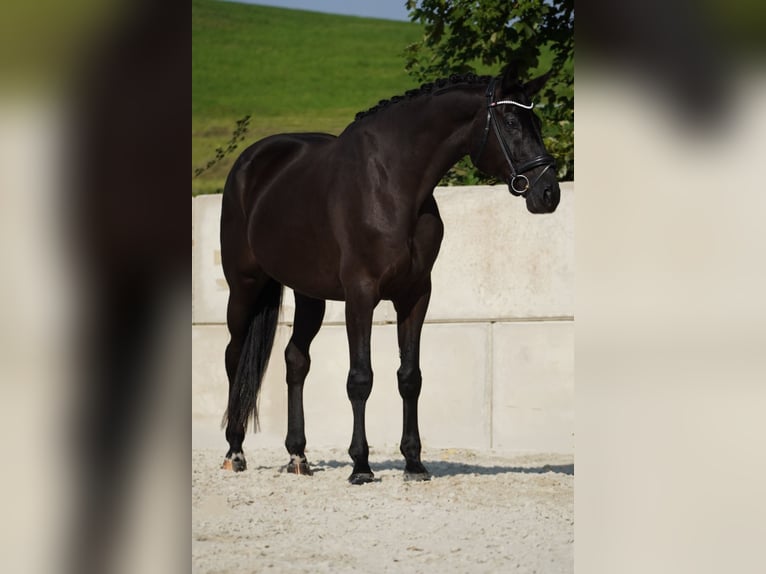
(244, 291)
(410, 314)
(243, 294)
(308, 319)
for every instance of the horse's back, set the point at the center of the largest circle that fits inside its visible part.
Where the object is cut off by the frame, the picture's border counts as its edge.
(274, 158)
(281, 149)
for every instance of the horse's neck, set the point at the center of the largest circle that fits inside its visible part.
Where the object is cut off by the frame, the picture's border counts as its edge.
(434, 134)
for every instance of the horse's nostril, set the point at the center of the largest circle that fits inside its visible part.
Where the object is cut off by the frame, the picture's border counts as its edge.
(548, 193)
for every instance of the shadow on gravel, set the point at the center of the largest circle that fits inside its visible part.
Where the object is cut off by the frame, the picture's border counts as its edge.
(450, 468)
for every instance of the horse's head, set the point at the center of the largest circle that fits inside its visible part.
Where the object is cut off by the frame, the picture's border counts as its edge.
(511, 144)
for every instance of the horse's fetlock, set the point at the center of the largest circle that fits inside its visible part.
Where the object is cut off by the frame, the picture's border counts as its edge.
(410, 447)
(295, 445)
(359, 451)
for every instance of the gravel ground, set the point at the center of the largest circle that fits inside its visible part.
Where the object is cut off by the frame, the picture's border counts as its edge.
(482, 512)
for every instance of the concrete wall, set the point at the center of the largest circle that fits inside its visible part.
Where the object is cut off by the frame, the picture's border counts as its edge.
(497, 348)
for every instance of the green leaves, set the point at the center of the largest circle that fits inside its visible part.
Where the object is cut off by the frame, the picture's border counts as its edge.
(463, 35)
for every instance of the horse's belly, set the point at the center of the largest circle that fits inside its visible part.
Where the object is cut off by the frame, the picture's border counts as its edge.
(299, 254)
(319, 282)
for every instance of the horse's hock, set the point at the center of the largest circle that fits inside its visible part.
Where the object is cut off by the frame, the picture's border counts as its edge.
(497, 349)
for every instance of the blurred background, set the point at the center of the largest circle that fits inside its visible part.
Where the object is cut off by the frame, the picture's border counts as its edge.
(670, 316)
(94, 290)
(94, 349)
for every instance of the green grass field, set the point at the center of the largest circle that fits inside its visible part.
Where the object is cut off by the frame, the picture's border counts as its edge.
(290, 70)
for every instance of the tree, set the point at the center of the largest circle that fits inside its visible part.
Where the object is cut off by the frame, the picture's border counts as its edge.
(531, 35)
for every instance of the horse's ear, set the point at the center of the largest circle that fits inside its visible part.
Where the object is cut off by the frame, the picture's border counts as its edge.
(510, 77)
(532, 87)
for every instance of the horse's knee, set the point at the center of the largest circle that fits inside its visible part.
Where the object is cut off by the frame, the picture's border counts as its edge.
(298, 364)
(359, 384)
(410, 382)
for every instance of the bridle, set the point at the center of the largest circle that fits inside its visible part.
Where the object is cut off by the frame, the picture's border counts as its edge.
(517, 175)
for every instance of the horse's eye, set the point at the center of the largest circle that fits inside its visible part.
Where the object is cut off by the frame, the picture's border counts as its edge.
(509, 121)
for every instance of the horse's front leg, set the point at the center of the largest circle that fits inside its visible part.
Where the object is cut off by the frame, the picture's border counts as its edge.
(359, 307)
(410, 314)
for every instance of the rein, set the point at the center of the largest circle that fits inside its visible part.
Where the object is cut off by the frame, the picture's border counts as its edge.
(517, 176)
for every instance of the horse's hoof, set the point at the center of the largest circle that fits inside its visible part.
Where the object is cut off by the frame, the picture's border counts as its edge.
(298, 465)
(361, 478)
(417, 476)
(414, 471)
(235, 463)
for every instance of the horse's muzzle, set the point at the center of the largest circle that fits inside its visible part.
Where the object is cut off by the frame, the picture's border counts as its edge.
(544, 199)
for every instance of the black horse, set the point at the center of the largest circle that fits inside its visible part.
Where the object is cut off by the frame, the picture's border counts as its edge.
(352, 218)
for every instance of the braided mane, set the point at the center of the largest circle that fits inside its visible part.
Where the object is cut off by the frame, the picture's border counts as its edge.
(427, 88)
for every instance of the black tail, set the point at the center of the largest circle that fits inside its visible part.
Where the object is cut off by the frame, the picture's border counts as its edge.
(243, 396)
